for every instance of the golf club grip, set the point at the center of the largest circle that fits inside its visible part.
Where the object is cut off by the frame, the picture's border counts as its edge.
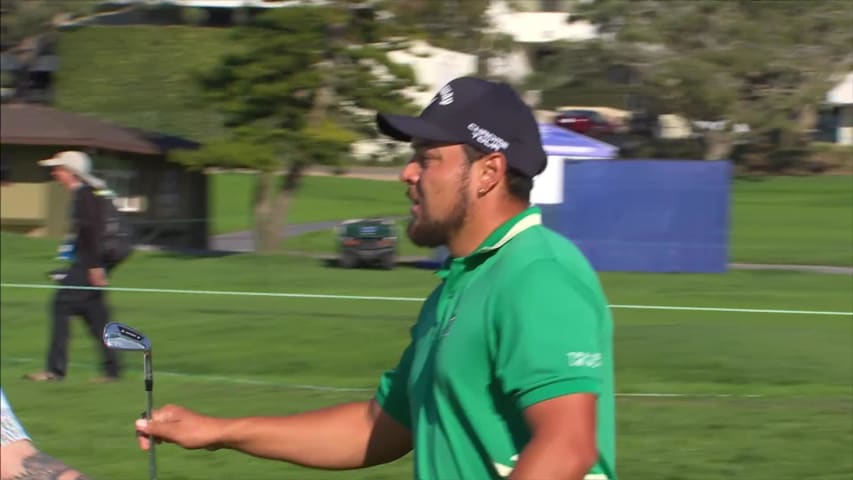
(152, 462)
(149, 403)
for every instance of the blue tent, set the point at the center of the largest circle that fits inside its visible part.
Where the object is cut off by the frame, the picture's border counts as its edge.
(637, 215)
(559, 142)
(563, 145)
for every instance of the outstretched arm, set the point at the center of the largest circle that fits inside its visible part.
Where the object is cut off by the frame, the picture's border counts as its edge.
(347, 436)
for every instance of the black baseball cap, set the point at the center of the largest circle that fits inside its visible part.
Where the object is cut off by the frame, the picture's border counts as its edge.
(488, 116)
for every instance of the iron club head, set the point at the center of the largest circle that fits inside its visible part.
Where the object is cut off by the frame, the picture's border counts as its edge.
(118, 336)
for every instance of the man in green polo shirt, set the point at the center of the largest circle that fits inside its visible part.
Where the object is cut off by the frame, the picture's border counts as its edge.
(509, 372)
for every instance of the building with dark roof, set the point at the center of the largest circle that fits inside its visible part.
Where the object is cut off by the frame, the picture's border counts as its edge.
(165, 203)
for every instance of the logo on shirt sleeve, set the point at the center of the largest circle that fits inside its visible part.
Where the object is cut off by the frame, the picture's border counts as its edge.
(584, 359)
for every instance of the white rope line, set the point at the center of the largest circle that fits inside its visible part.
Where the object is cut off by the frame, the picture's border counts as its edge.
(405, 299)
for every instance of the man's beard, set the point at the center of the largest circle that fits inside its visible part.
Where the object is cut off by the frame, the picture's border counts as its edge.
(424, 231)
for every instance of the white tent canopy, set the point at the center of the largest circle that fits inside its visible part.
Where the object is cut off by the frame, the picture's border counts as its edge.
(561, 145)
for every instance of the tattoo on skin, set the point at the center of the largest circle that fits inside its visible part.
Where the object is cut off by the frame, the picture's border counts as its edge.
(41, 466)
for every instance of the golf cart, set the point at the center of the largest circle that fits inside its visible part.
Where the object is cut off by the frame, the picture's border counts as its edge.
(367, 242)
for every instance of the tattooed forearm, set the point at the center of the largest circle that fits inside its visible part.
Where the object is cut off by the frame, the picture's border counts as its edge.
(40, 466)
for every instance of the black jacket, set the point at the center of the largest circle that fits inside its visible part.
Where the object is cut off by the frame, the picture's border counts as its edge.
(88, 223)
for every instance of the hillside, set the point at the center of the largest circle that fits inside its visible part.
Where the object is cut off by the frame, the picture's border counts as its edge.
(140, 76)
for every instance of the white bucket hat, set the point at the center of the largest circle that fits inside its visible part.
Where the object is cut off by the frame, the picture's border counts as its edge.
(77, 163)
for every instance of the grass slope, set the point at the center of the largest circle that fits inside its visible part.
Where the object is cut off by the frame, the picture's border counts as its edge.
(141, 76)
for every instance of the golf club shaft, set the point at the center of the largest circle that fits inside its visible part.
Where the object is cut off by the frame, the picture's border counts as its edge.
(149, 402)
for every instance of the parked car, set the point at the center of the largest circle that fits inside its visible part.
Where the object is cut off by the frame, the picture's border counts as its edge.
(586, 122)
(367, 242)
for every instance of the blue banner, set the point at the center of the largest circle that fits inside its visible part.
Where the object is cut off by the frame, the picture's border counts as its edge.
(646, 215)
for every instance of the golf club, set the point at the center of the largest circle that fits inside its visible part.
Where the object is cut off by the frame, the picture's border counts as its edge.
(121, 337)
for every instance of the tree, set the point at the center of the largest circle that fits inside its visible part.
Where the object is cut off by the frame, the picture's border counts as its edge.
(26, 32)
(454, 24)
(765, 64)
(460, 25)
(301, 89)
(21, 19)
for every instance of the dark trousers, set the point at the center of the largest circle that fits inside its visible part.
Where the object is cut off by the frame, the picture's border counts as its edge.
(89, 304)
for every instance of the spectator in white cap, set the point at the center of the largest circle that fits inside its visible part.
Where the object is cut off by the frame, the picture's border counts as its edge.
(88, 269)
(72, 164)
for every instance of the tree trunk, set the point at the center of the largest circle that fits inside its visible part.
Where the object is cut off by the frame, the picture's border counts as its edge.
(272, 203)
(718, 145)
(266, 234)
(807, 118)
(324, 95)
(289, 185)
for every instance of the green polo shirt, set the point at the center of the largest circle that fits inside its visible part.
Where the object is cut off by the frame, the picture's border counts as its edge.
(521, 320)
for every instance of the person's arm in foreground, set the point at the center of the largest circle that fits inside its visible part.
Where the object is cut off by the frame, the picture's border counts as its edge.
(21, 460)
(346, 436)
(562, 446)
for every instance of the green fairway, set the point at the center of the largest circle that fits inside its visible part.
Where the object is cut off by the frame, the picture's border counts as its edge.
(324, 241)
(794, 220)
(237, 355)
(320, 199)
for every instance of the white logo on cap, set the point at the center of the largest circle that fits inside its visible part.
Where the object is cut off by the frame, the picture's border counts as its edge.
(444, 96)
(487, 139)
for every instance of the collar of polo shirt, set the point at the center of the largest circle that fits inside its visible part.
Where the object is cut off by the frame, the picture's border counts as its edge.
(530, 217)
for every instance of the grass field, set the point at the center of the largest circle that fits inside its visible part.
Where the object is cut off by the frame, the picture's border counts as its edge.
(799, 220)
(233, 355)
(792, 220)
(320, 199)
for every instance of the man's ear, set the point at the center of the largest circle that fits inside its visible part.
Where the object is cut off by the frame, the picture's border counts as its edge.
(492, 170)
